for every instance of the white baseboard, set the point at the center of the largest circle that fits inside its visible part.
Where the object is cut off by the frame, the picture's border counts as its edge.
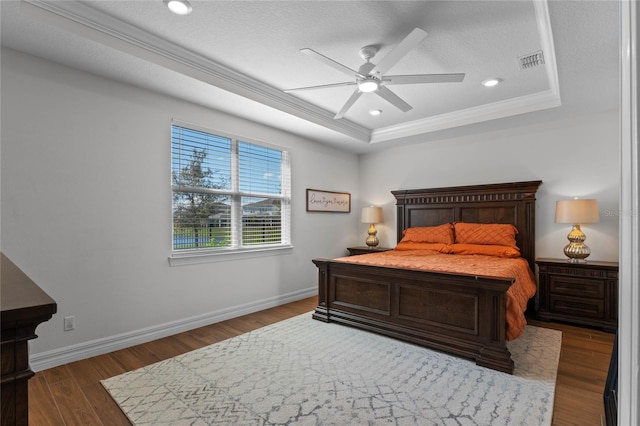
(53, 358)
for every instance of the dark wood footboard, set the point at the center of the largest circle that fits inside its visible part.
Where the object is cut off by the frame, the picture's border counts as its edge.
(463, 315)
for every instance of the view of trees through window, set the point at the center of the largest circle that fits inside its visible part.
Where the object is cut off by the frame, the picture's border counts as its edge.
(227, 193)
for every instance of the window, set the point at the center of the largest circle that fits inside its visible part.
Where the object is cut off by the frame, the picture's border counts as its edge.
(228, 194)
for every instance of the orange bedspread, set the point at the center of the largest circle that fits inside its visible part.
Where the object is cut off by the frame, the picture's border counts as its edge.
(518, 294)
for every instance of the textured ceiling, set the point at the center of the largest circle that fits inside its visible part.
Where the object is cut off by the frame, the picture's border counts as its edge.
(240, 56)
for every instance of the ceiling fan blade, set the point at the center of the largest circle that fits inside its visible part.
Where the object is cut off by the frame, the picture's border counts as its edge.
(423, 78)
(352, 100)
(414, 38)
(393, 99)
(323, 86)
(330, 62)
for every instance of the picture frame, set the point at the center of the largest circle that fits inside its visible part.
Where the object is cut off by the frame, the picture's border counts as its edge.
(328, 201)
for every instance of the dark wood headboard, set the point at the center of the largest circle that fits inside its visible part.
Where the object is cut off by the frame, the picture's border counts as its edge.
(512, 203)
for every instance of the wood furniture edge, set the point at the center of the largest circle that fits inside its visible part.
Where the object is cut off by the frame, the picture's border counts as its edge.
(356, 250)
(23, 306)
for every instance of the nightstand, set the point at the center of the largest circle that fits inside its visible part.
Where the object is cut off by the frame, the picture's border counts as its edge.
(353, 251)
(579, 293)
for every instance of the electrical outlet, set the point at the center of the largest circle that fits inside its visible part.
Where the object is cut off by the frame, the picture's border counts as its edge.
(69, 323)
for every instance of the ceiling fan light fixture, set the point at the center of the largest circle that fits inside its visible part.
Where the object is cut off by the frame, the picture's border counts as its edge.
(372, 78)
(368, 84)
(179, 7)
(491, 82)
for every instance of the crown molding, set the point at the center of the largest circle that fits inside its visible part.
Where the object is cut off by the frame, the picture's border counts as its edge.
(507, 108)
(93, 24)
(548, 47)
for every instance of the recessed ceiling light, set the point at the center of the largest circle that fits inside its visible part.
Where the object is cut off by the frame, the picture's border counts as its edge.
(375, 112)
(491, 82)
(179, 7)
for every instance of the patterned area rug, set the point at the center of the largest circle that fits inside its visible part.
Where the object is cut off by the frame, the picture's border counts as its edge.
(306, 372)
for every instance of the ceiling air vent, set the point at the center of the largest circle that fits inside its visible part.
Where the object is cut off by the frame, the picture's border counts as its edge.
(531, 60)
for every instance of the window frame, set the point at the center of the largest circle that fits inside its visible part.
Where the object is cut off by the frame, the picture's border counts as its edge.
(198, 255)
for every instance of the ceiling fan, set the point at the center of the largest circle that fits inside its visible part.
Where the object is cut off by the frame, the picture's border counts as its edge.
(371, 77)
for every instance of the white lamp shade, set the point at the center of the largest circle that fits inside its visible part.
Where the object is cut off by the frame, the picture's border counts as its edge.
(577, 212)
(371, 215)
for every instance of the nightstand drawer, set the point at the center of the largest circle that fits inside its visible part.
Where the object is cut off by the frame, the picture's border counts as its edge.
(586, 270)
(577, 306)
(576, 287)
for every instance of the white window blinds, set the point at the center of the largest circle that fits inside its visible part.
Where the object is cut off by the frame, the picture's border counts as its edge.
(227, 193)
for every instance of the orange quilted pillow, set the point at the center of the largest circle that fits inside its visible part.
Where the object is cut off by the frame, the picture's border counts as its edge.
(487, 250)
(439, 247)
(498, 234)
(429, 234)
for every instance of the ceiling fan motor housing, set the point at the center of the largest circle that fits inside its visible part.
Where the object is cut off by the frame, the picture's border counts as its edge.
(368, 52)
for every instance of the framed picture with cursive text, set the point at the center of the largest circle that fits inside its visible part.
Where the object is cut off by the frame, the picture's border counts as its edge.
(328, 201)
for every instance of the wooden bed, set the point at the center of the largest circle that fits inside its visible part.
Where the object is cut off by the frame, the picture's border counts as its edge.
(463, 315)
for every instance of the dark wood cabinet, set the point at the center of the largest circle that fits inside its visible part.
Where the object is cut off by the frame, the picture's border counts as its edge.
(354, 251)
(23, 307)
(578, 293)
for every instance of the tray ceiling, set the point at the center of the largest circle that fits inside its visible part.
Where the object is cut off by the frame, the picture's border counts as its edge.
(240, 56)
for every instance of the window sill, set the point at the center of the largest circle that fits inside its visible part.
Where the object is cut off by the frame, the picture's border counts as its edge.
(195, 257)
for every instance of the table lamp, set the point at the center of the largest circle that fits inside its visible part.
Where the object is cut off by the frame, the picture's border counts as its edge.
(372, 215)
(577, 212)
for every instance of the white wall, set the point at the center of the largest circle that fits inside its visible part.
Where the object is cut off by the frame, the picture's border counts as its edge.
(572, 158)
(86, 209)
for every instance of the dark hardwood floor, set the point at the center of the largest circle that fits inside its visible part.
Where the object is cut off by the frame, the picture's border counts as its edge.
(71, 394)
